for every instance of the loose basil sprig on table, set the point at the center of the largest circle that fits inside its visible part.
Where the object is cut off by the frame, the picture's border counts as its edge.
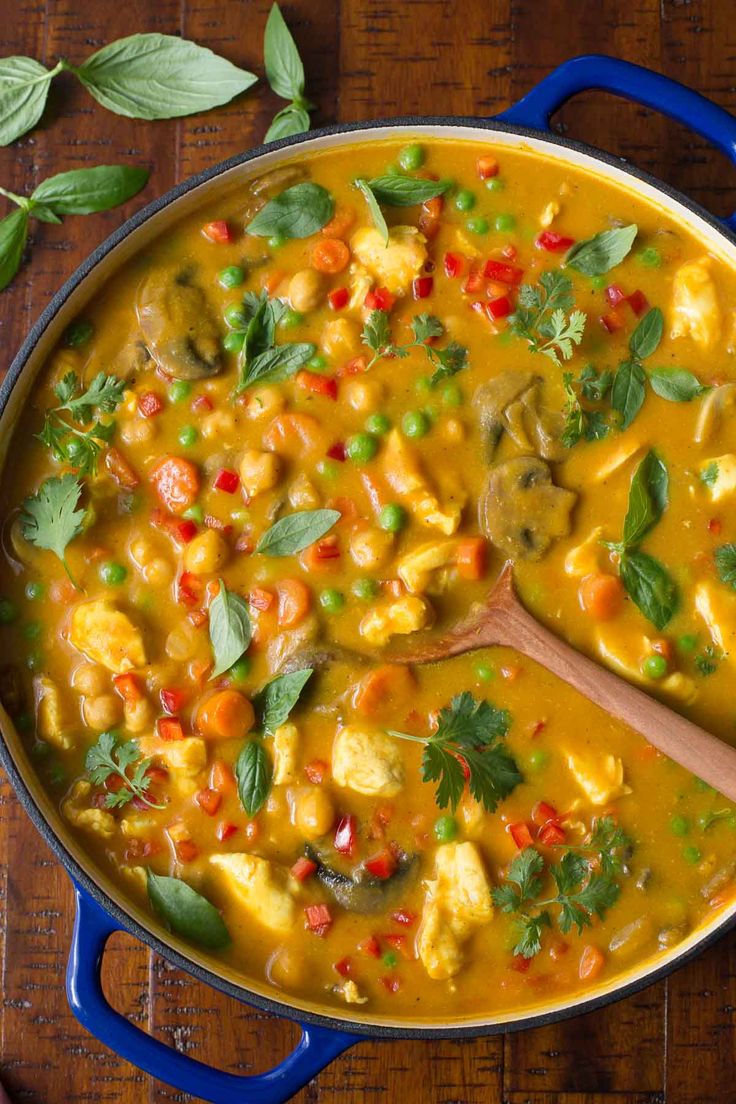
(78, 192)
(144, 76)
(285, 74)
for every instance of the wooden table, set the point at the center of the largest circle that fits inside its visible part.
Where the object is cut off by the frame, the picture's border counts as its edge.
(673, 1043)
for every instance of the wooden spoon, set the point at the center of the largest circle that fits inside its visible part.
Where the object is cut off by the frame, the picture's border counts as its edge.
(502, 620)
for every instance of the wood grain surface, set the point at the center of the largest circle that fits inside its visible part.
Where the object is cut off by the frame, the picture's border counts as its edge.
(672, 1044)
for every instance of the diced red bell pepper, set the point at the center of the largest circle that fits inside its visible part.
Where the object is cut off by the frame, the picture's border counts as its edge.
(189, 589)
(612, 322)
(183, 530)
(227, 481)
(487, 167)
(346, 835)
(316, 771)
(542, 812)
(150, 404)
(172, 699)
(128, 687)
(404, 917)
(504, 273)
(520, 964)
(169, 728)
(209, 801)
(203, 404)
(390, 983)
(422, 287)
(499, 308)
(614, 295)
(520, 834)
(381, 865)
(552, 242)
(318, 385)
(218, 231)
(344, 967)
(338, 298)
(337, 452)
(510, 252)
(714, 526)
(638, 302)
(261, 598)
(473, 281)
(225, 829)
(327, 549)
(186, 850)
(353, 367)
(551, 834)
(303, 868)
(398, 942)
(454, 264)
(380, 299)
(370, 947)
(319, 919)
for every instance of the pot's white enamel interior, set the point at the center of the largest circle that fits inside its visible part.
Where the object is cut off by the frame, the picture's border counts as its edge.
(73, 305)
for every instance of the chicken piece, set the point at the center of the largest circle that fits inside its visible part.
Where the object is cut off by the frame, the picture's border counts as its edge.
(585, 558)
(395, 265)
(458, 901)
(695, 309)
(601, 777)
(403, 473)
(398, 617)
(417, 568)
(368, 761)
(359, 282)
(351, 994)
(285, 753)
(78, 812)
(51, 723)
(261, 887)
(717, 404)
(549, 214)
(107, 636)
(186, 757)
(624, 652)
(616, 458)
(717, 607)
(719, 476)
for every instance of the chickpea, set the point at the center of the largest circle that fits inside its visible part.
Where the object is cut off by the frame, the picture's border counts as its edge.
(305, 290)
(371, 548)
(181, 643)
(138, 431)
(313, 812)
(141, 551)
(363, 395)
(259, 471)
(341, 338)
(90, 679)
(265, 402)
(102, 712)
(217, 425)
(206, 553)
(138, 715)
(158, 572)
(303, 495)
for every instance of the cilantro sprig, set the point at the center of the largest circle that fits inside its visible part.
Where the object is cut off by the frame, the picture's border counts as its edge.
(581, 423)
(80, 444)
(51, 518)
(109, 758)
(469, 734)
(446, 362)
(542, 317)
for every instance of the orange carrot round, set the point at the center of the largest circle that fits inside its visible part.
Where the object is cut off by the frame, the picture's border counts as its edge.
(225, 715)
(601, 596)
(330, 255)
(295, 601)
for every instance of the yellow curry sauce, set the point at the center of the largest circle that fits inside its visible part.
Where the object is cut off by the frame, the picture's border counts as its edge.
(348, 882)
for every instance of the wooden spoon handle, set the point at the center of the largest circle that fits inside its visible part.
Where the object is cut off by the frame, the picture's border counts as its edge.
(692, 747)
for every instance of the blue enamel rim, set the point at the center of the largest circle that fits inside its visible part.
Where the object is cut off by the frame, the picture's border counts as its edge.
(83, 880)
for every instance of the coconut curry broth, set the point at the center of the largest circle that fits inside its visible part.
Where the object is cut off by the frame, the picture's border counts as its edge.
(350, 875)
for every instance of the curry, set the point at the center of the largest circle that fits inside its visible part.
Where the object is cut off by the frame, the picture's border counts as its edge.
(308, 426)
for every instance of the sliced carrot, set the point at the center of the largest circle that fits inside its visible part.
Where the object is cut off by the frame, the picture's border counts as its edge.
(176, 482)
(601, 596)
(222, 778)
(384, 691)
(271, 280)
(295, 434)
(225, 715)
(592, 961)
(129, 688)
(330, 255)
(340, 223)
(295, 602)
(471, 558)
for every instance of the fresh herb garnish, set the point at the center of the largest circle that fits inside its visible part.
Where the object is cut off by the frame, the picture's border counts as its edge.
(50, 518)
(676, 384)
(230, 629)
(405, 191)
(253, 774)
(725, 558)
(709, 474)
(647, 336)
(297, 212)
(629, 386)
(295, 532)
(582, 424)
(707, 820)
(80, 445)
(187, 912)
(375, 211)
(274, 702)
(285, 74)
(260, 360)
(647, 499)
(597, 255)
(472, 733)
(446, 362)
(708, 660)
(110, 758)
(541, 318)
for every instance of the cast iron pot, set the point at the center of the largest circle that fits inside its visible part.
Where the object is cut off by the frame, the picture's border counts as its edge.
(101, 907)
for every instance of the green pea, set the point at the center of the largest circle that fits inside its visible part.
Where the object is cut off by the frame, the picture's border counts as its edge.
(234, 317)
(233, 342)
(290, 319)
(78, 333)
(34, 661)
(484, 672)
(365, 589)
(112, 573)
(537, 759)
(239, 671)
(188, 436)
(679, 825)
(392, 517)
(194, 513)
(179, 391)
(445, 829)
(331, 600)
(361, 448)
(452, 395)
(465, 200)
(411, 157)
(35, 591)
(598, 283)
(8, 611)
(477, 225)
(328, 469)
(32, 630)
(691, 854)
(423, 385)
(377, 424)
(495, 184)
(649, 257)
(277, 240)
(504, 223)
(415, 423)
(688, 642)
(318, 363)
(389, 959)
(231, 277)
(654, 666)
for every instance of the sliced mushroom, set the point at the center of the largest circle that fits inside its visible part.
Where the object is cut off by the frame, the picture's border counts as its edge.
(259, 191)
(544, 425)
(491, 401)
(512, 403)
(522, 511)
(716, 403)
(178, 326)
(362, 892)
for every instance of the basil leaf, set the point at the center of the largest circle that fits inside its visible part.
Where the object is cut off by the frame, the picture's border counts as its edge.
(274, 703)
(651, 587)
(292, 119)
(297, 212)
(187, 912)
(601, 253)
(646, 337)
(725, 558)
(296, 531)
(276, 365)
(43, 213)
(647, 499)
(84, 191)
(284, 69)
(376, 213)
(405, 191)
(627, 393)
(253, 774)
(676, 384)
(156, 76)
(24, 86)
(13, 234)
(230, 629)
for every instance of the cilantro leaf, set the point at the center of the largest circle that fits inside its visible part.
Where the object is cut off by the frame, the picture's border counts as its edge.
(50, 518)
(425, 326)
(446, 362)
(105, 393)
(611, 842)
(529, 928)
(524, 876)
(581, 424)
(108, 758)
(80, 445)
(541, 317)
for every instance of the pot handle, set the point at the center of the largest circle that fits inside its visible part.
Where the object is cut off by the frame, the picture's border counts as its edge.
(633, 82)
(93, 926)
